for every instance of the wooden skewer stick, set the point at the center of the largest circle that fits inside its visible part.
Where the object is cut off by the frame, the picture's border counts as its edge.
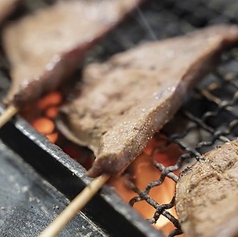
(8, 114)
(74, 207)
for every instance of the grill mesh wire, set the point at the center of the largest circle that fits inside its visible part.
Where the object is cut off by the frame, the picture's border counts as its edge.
(210, 115)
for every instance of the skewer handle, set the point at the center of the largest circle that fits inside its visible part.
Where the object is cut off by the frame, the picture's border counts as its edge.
(8, 114)
(74, 207)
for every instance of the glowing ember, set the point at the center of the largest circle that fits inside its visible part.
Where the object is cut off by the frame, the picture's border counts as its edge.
(52, 137)
(51, 99)
(139, 174)
(142, 172)
(43, 125)
(43, 121)
(52, 112)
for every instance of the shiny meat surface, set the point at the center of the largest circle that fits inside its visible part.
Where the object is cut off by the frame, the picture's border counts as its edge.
(47, 46)
(6, 7)
(207, 192)
(124, 101)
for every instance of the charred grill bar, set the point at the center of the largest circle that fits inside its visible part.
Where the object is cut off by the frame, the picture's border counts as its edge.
(209, 117)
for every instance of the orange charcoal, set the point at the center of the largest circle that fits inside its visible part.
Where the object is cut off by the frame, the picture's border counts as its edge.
(51, 112)
(52, 137)
(53, 98)
(43, 125)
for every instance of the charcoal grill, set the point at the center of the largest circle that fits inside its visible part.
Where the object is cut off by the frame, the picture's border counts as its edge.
(39, 179)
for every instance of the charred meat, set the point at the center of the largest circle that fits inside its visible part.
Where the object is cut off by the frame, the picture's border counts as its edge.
(45, 47)
(207, 192)
(125, 100)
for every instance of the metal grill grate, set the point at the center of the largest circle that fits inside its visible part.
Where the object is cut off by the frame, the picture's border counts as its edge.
(208, 118)
(210, 115)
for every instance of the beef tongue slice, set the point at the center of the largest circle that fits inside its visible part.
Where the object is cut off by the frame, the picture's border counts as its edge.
(125, 100)
(207, 193)
(46, 46)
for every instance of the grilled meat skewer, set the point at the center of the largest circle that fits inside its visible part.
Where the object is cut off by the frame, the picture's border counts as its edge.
(45, 48)
(124, 101)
